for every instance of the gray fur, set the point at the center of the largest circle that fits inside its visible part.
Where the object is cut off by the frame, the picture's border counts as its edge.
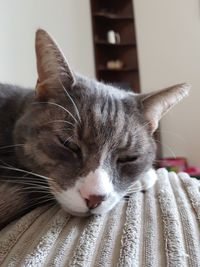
(104, 122)
(111, 123)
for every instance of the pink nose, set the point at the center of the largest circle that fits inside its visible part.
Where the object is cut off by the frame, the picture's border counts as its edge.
(93, 201)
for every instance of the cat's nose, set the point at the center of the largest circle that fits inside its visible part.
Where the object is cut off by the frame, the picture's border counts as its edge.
(95, 188)
(93, 201)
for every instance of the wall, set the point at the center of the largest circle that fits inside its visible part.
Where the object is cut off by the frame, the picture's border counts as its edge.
(169, 52)
(67, 20)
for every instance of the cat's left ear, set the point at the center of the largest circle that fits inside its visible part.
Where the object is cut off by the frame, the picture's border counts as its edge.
(156, 104)
(53, 69)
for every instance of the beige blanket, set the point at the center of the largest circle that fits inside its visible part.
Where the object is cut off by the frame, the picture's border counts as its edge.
(156, 228)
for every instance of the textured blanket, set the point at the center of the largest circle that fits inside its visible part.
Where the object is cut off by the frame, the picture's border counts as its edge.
(156, 228)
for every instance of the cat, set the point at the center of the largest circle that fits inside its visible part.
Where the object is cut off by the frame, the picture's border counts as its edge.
(80, 142)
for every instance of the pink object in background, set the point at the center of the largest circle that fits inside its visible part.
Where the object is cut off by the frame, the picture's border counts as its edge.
(173, 164)
(179, 165)
(193, 171)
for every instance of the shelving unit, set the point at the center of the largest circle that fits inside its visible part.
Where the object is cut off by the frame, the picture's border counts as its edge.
(117, 16)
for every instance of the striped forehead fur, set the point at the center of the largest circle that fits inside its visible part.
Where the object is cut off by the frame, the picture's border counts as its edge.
(103, 112)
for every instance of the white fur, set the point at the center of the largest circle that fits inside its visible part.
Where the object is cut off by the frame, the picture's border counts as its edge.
(149, 179)
(145, 182)
(96, 183)
(71, 200)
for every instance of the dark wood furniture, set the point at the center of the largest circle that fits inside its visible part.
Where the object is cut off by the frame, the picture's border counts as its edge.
(117, 16)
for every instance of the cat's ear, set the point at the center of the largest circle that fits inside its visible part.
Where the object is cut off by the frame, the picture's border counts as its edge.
(156, 104)
(52, 66)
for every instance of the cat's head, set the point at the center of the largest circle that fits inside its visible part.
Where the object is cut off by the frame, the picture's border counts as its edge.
(92, 140)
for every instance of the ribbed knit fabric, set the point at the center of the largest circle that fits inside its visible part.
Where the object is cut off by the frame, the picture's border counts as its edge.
(157, 228)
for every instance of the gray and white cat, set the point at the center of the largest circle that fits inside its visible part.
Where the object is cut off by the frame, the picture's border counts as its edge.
(83, 143)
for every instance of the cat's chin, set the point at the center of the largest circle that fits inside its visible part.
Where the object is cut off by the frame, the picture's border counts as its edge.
(78, 214)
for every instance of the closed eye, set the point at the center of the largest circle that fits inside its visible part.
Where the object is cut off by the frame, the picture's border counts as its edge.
(70, 146)
(127, 159)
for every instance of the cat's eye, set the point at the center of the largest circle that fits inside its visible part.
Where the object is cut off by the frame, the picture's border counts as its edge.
(71, 146)
(127, 159)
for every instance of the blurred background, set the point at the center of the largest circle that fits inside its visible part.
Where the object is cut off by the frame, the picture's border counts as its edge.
(137, 44)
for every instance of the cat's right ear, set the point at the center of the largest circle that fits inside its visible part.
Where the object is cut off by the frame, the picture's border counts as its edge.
(156, 104)
(53, 69)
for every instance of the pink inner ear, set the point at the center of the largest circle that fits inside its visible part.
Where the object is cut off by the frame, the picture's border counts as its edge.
(153, 125)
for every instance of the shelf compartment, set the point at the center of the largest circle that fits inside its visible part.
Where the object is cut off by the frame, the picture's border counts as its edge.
(111, 16)
(130, 78)
(125, 30)
(118, 7)
(114, 45)
(117, 70)
(128, 56)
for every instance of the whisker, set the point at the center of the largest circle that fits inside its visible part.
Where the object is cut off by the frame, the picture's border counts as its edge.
(22, 179)
(69, 138)
(136, 190)
(168, 147)
(32, 191)
(140, 128)
(132, 189)
(28, 172)
(63, 129)
(26, 187)
(41, 202)
(139, 188)
(61, 107)
(27, 191)
(35, 205)
(64, 121)
(75, 106)
(133, 184)
(11, 146)
(25, 183)
(50, 197)
(172, 133)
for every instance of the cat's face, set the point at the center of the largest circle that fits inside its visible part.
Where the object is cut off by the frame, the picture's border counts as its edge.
(98, 146)
(91, 140)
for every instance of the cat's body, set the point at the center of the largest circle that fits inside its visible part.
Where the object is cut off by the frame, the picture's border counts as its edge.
(13, 100)
(80, 142)
(14, 200)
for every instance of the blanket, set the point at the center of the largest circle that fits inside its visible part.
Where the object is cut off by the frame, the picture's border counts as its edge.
(157, 228)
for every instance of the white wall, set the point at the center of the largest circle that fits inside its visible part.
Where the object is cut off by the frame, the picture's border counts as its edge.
(169, 52)
(68, 21)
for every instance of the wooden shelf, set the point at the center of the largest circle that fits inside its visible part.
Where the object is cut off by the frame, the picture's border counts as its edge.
(114, 45)
(112, 16)
(117, 70)
(117, 16)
